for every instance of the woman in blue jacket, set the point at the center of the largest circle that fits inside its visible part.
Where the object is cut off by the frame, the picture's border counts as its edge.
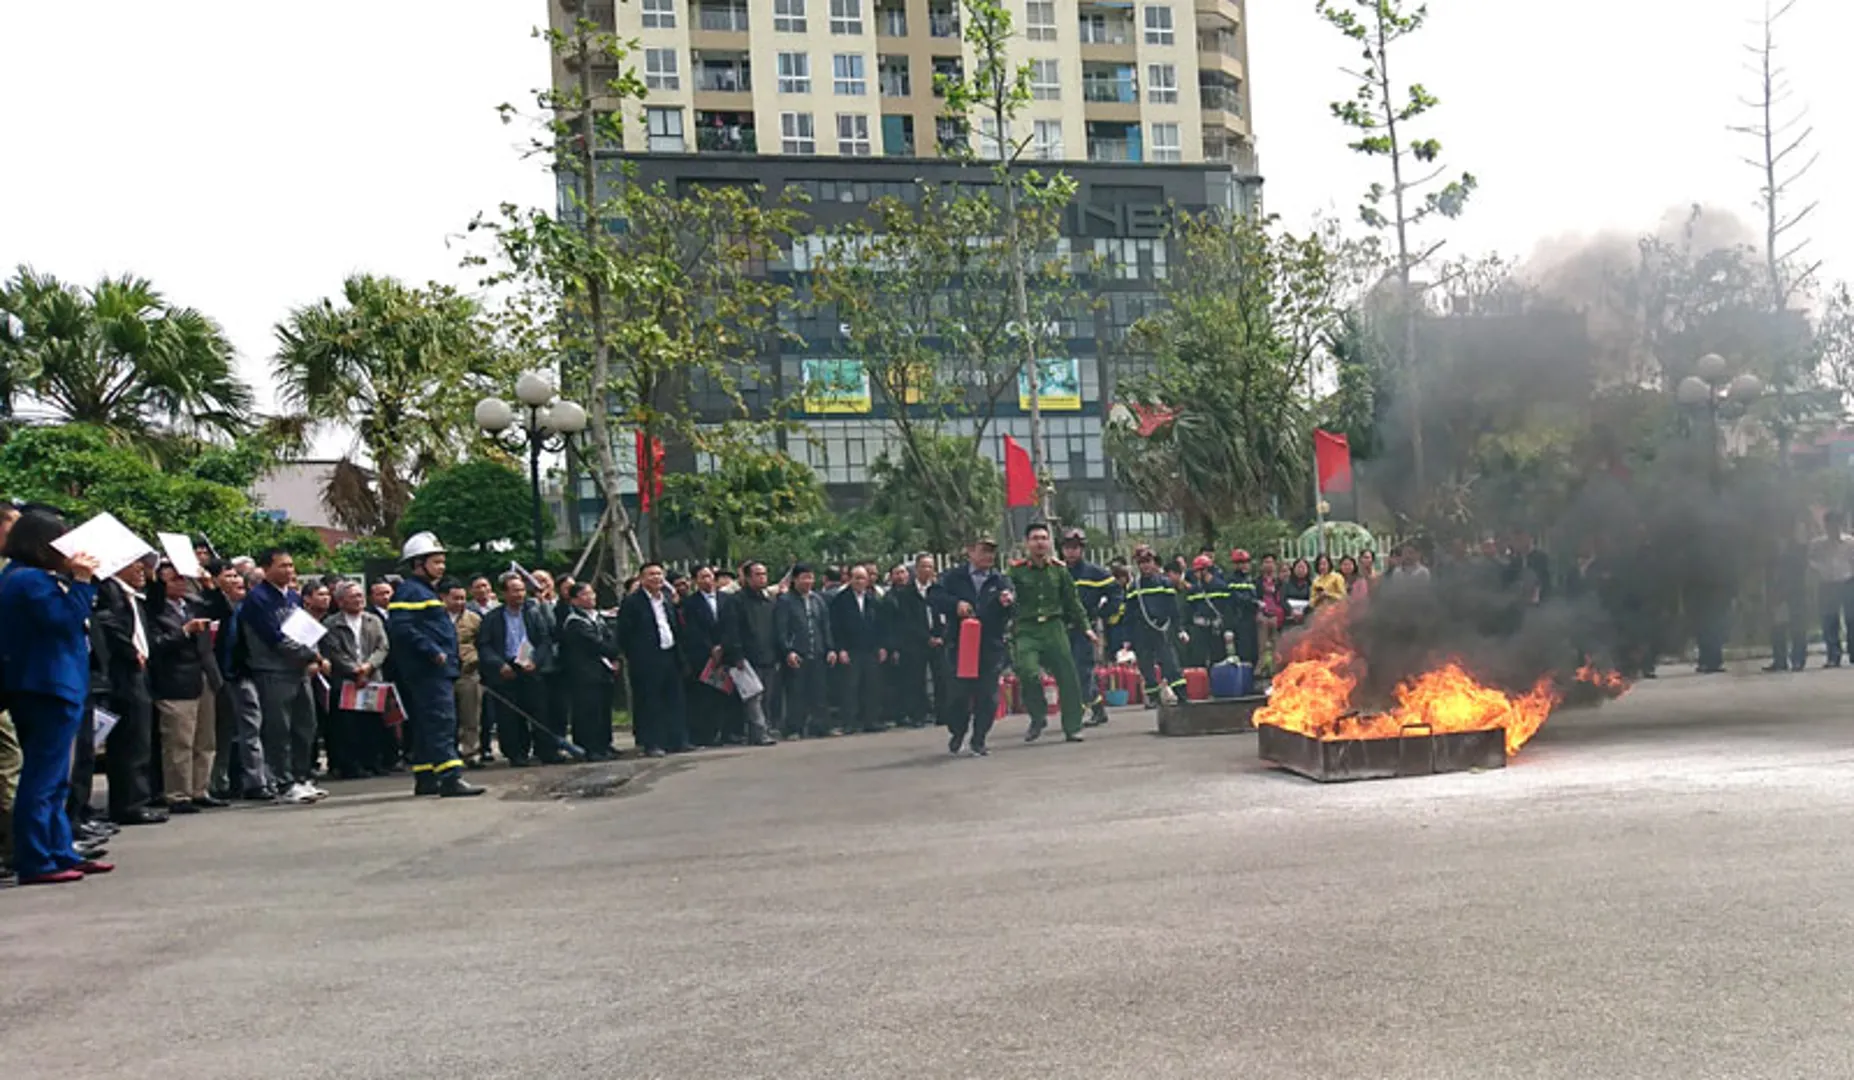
(45, 602)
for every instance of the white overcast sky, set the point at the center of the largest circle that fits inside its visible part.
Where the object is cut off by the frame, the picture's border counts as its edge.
(246, 156)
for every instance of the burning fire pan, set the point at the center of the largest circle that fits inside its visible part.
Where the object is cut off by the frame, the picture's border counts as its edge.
(1218, 716)
(1419, 752)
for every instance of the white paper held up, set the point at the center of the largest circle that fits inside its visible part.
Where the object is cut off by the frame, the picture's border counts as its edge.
(300, 626)
(179, 551)
(105, 539)
(105, 722)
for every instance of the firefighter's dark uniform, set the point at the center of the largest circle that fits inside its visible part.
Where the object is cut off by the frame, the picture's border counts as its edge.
(1152, 608)
(1094, 586)
(1205, 600)
(1243, 603)
(424, 640)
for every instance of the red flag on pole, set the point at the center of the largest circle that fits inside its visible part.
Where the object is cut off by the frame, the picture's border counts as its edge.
(649, 472)
(1019, 477)
(1332, 456)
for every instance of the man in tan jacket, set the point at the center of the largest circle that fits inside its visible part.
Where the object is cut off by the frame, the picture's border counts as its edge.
(469, 687)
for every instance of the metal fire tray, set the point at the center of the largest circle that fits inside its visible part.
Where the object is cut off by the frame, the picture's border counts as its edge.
(1419, 752)
(1218, 716)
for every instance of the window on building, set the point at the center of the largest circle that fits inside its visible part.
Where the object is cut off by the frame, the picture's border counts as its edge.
(848, 75)
(892, 18)
(991, 143)
(796, 133)
(1047, 144)
(846, 16)
(789, 16)
(1129, 259)
(949, 133)
(1164, 140)
(665, 126)
(660, 69)
(894, 71)
(1040, 20)
(659, 14)
(1162, 84)
(1045, 80)
(943, 18)
(1158, 24)
(853, 135)
(794, 73)
(951, 68)
(1094, 28)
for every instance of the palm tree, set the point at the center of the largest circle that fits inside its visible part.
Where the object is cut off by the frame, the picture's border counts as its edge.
(403, 368)
(118, 357)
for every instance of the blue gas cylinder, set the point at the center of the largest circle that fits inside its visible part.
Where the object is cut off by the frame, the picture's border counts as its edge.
(1232, 679)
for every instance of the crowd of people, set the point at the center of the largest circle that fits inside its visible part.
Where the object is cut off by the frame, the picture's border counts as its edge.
(203, 688)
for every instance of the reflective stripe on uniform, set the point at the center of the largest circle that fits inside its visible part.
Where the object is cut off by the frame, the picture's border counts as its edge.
(446, 766)
(410, 605)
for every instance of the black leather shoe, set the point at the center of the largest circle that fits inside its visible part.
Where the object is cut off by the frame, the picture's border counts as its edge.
(96, 830)
(1073, 738)
(184, 806)
(454, 786)
(424, 783)
(143, 816)
(953, 744)
(260, 795)
(210, 802)
(980, 750)
(1036, 730)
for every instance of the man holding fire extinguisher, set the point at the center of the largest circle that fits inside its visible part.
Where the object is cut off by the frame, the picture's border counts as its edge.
(980, 614)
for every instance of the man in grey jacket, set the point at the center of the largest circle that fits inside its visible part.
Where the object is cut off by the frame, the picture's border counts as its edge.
(281, 667)
(355, 649)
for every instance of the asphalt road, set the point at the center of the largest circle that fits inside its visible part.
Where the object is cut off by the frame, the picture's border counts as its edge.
(1656, 889)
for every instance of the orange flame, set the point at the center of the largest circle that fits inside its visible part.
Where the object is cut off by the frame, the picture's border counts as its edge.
(1312, 695)
(1611, 683)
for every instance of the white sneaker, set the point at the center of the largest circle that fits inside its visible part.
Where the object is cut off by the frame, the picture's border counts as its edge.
(318, 793)
(296, 794)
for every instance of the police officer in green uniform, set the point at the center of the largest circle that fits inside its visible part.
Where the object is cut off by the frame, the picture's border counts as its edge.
(1047, 609)
(1095, 587)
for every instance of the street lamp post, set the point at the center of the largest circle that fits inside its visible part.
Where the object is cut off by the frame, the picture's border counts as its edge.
(549, 426)
(1711, 387)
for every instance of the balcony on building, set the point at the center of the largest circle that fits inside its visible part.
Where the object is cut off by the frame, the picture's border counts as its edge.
(725, 133)
(950, 134)
(892, 18)
(604, 15)
(1220, 50)
(895, 75)
(1113, 141)
(721, 16)
(1106, 29)
(1224, 148)
(1219, 93)
(943, 18)
(897, 135)
(1109, 83)
(723, 71)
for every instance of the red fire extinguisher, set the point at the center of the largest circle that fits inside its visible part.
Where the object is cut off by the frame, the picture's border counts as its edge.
(969, 631)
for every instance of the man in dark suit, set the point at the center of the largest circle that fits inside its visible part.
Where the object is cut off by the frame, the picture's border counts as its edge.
(856, 626)
(705, 616)
(515, 656)
(123, 616)
(917, 642)
(588, 670)
(356, 649)
(977, 591)
(647, 634)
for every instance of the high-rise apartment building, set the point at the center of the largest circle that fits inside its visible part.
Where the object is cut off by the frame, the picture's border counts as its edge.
(1145, 105)
(1112, 80)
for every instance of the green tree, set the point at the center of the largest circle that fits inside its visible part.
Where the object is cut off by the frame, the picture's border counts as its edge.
(1381, 113)
(968, 487)
(117, 356)
(996, 93)
(474, 504)
(404, 368)
(82, 471)
(1232, 349)
(751, 496)
(664, 292)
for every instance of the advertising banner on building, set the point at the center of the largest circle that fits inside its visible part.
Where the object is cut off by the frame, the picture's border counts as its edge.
(1058, 385)
(836, 386)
